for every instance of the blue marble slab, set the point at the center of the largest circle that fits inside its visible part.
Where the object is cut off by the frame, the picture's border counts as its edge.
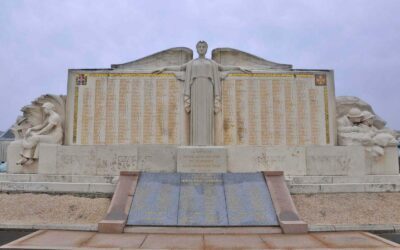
(248, 200)
(156, 200)
(182, 199)
(202, 200)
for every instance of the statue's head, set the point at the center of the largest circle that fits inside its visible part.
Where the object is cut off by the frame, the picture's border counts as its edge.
(47, 107)
(201, 47)
(367, 118)
(354, 115)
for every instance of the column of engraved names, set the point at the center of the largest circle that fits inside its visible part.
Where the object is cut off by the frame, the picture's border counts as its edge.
(241, 106)
(148, 114)
(321, 115)
(124, 113)
(229, 111)
(160, 123)
(253, 111)
(265, 112)
(111, 112)
(136, 106)
(290, 113)
(278, 115)
(87, 114)
(314, 123)
(174, 91)
(303, 113)
(99, 111)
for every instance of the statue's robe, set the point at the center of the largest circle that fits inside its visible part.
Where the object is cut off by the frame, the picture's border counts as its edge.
(202, 84)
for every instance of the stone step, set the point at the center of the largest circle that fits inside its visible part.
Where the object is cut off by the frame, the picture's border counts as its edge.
(383, 179)
(57, 187)
(343, 188)
(4, 177)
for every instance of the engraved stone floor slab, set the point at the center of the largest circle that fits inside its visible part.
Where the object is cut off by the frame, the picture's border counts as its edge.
(156, 200)
(197, 199)
(202, 200)
(248, 200)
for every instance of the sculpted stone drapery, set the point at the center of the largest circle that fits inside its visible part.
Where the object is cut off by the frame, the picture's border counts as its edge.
(202, 94)
(50, 131)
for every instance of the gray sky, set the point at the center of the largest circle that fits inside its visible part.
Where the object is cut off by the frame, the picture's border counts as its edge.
(40, 40)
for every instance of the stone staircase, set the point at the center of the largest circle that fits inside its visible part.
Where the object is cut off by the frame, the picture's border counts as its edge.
(105, 185)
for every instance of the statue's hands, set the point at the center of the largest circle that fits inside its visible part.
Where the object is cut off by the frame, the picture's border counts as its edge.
(28, 131)
(158, 71)
(186, 100)
(217, 104)
(245, 70)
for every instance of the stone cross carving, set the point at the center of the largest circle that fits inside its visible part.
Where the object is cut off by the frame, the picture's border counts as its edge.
(202, 93)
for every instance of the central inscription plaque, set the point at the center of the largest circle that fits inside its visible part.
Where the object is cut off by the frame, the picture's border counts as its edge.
(202, 159)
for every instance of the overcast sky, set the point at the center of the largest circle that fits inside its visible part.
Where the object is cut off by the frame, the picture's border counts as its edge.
(40, 40)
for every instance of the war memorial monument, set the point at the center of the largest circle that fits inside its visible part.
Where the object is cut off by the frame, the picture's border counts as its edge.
(202, 144)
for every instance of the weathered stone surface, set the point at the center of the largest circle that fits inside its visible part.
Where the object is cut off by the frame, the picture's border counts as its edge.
(202, 200)
(248, 200)
(156, 200)
(48, 159)
(332, 160)
(202, 159)
(157, 158)
(76, 160)
(112, 160)
(261, 158)
(13, 151)
(388, 164)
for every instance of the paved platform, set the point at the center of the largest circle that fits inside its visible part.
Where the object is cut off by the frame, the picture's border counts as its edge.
(52, 239)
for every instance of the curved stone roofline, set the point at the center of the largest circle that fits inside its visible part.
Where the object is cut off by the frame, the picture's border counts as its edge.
(181, 55)
(229, 56)
(168, 57)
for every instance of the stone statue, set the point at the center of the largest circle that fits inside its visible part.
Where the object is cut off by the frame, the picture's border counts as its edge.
(50, 131)
(380, 138)
(356, 128)
(202, 93)
(349, 130)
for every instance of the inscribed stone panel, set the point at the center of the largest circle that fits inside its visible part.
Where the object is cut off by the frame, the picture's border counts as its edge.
(126, 108)
(291, 108)
(156, 200)
(202, 200)
(248, 200)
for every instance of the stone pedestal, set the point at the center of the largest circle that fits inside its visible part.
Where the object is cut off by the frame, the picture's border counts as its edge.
(13, 156)
(388, 164)
(109, 160)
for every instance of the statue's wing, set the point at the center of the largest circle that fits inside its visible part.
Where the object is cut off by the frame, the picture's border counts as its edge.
(169, 57)
(234, 57)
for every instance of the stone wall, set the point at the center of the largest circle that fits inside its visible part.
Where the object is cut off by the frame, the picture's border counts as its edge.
(280, 108)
